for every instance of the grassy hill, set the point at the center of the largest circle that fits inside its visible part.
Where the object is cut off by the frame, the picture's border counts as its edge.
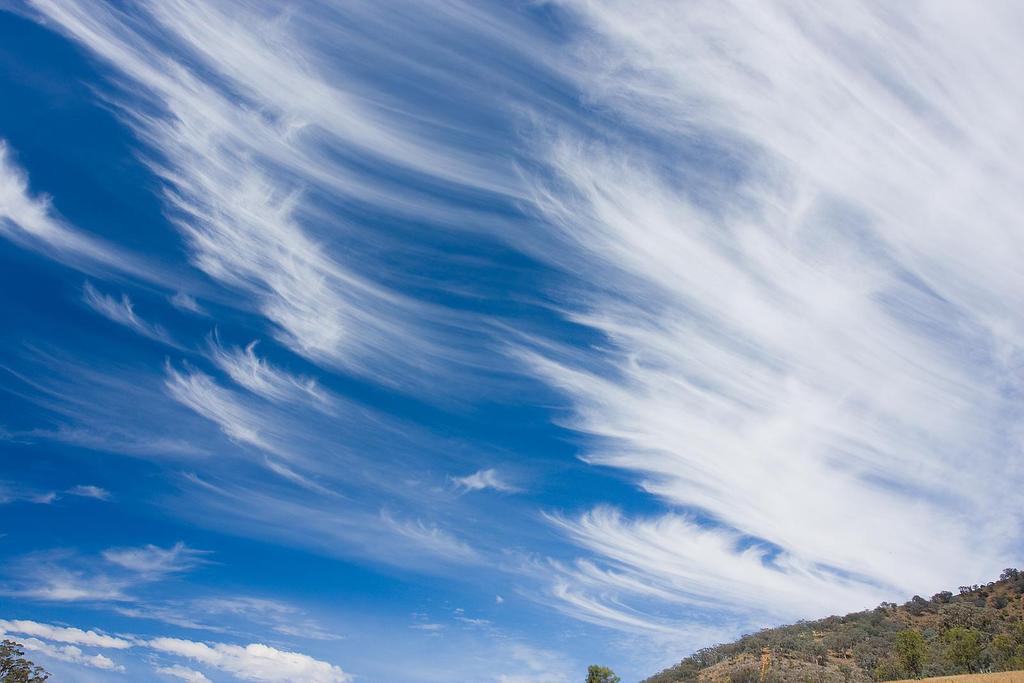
(980, 629)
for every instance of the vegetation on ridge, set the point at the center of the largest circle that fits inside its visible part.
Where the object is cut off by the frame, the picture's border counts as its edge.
(981, 629)
(14, 668)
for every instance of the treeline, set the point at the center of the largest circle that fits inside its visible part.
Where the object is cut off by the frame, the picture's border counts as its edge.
(979, 629)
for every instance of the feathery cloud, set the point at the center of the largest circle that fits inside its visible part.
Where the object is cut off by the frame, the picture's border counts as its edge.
(154, 561)
(806, 337)
(260, 377)
(89, 491)
(123, 312)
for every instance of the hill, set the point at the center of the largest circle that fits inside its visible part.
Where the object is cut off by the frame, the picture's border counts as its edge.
(980, 629)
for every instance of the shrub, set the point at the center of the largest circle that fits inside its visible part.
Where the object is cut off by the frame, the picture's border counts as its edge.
(910, 651)
(963, 649)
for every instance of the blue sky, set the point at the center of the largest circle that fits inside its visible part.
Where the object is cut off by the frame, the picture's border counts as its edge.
(434, 341)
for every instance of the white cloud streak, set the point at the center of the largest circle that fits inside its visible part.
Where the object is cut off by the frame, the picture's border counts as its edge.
(796, 236)
(814, 327)
(187, 302)
(154, 561)
(257, 375)
(30, 221)
(184, 673)
(254, 662)
(64, 634)
(89, 491)
(16, 493)
(123, 312)
(433, 539)
(257, 102)
(199, 392)
(72, 654)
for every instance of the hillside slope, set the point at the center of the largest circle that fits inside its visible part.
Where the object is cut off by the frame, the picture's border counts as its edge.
(980, 629)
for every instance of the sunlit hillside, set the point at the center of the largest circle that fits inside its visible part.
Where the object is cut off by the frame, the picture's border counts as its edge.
(979, 629)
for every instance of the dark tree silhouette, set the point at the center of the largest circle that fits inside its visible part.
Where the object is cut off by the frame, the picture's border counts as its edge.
(14, 668)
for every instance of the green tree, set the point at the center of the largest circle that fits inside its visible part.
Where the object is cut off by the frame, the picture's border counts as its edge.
(601, 674)
(962, 648)
(1004, 650)
(14, 668)
(910, 649)
(888, 669)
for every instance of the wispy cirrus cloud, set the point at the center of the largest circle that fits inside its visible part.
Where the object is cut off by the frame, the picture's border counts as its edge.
(16, 493)
(89, 491)
(122, 311)
(432, 539)
(297, 141)
(766, 255)
(30, 220)
(186, 302)
(67, 576)
(199, 392)
(231, 614)
(257, 375)
(806, 342)
(154, 561)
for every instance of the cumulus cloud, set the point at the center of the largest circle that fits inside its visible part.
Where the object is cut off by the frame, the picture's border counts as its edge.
(72, 654)
(184, 673)
(64, 634)
(254, 662)
(484, 479)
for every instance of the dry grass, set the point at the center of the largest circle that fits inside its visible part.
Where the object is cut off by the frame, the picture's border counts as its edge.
(1002, 677)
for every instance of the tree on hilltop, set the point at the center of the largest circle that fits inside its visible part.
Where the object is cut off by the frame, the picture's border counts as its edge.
(601, 674)
(14, 668)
